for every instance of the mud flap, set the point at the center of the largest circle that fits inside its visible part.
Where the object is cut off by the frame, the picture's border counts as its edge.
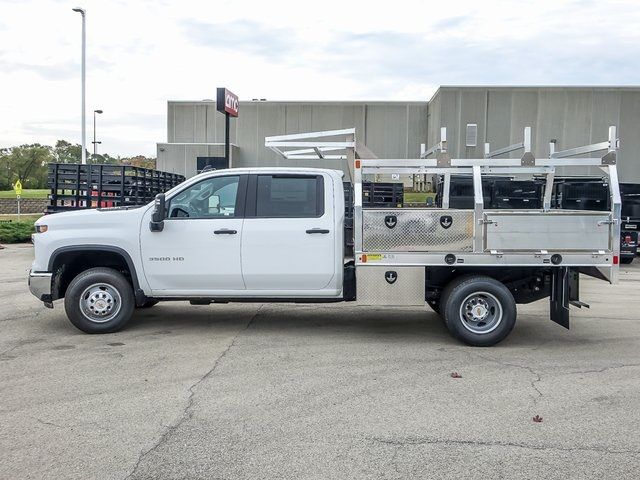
(565, 290)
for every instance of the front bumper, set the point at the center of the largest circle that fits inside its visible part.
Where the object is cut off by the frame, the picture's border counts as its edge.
(40, 285)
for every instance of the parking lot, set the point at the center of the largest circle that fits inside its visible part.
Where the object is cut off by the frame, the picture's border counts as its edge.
(307, 391)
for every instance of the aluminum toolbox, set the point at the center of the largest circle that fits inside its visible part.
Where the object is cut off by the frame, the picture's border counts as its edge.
(394, 286)
(417, 230)
(562, 230)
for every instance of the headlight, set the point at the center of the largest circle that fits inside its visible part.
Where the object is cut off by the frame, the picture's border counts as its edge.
(41, 228)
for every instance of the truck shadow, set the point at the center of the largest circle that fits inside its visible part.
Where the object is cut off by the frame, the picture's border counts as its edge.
(330, 323)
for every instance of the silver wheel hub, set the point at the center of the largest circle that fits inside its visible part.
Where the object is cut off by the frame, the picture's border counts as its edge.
(481, 312)
(100, 302)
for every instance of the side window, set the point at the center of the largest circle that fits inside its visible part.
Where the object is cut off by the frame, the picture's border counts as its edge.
(296, 196)
(211, 198)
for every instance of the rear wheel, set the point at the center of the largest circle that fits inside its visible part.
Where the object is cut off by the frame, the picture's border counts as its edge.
(99, 300)
(478, 310)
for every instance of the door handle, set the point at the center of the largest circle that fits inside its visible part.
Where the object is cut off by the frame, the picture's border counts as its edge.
(225, 231)
(317, 230)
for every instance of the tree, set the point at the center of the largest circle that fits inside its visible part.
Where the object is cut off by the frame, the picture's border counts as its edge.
(140, 161)
(66, 152)
(27, 163)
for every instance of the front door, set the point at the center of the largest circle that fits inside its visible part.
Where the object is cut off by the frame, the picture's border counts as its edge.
(289, 237)
(198, 251)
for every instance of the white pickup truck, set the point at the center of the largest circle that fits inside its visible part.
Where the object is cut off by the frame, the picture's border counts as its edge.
(278, 235)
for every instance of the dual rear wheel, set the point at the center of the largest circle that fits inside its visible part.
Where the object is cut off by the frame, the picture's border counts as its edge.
(477, 310)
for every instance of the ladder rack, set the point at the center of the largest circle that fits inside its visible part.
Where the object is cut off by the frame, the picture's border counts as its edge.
(546, 224)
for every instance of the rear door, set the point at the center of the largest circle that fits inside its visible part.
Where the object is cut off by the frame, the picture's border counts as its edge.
(289, 237)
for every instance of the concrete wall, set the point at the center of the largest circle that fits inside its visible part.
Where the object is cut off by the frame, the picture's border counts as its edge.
(389, 129)
(573, 116)
(181, 157)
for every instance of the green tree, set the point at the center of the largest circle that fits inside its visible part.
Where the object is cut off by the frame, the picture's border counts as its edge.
(5, 170)
(27, 163)
(140, 161)
(66, 152)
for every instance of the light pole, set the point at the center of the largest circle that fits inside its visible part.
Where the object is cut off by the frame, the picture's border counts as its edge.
(95, 143)
(84, 54)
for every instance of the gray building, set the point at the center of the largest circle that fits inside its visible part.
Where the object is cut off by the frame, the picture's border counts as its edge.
(571, 115)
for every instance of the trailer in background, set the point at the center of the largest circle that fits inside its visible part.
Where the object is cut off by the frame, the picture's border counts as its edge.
(77, 186)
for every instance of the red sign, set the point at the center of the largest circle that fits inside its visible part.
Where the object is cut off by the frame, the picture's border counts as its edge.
(227, 102)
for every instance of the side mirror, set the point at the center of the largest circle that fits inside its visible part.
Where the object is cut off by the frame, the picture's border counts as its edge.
(159, 214)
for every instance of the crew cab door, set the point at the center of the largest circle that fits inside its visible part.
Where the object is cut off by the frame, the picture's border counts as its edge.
(198, 251)
(289, 237)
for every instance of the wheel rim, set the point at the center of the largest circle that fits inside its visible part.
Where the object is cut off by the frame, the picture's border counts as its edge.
(100, 302)
(481, 312)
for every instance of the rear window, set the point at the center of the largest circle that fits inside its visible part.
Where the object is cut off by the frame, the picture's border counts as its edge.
(300, 196)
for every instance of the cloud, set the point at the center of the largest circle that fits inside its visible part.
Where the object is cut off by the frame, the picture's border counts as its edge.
(56, 71)
(243, 35)
(452, 22)
(460, 59)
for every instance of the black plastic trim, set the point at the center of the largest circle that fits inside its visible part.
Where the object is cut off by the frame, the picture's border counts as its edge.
(99, 248)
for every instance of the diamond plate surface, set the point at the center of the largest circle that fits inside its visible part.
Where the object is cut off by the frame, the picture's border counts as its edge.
(373, 289)
(417, 230)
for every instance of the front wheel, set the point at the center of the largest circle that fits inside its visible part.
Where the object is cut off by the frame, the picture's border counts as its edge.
(478, 310)
(99, 300)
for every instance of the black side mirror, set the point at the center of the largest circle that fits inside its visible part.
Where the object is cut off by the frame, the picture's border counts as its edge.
(159, 214)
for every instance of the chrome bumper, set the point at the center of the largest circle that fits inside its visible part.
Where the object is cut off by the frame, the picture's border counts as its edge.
(40, 285)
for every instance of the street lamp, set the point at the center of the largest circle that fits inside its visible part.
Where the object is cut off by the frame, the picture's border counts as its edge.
(95, 143)
(84, 50)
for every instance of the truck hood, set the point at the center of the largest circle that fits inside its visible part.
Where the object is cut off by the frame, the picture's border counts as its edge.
(93, 216)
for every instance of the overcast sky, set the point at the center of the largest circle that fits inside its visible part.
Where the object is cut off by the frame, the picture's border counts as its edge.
(143, 53)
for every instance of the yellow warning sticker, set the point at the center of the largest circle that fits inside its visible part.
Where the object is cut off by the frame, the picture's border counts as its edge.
(374, 256)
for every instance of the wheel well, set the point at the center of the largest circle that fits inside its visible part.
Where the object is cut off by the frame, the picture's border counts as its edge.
(66, 265)
(526, 284)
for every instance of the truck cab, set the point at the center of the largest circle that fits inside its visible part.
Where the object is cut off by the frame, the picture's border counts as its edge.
(224, 235)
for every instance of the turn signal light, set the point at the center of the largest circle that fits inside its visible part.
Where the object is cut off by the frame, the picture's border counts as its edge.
(41, 228)
(357, 163)
(616, 260)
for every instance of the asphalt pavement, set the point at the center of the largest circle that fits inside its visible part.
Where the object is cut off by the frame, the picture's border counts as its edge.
(280, 391)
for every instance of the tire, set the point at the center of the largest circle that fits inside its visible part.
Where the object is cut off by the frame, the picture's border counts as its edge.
(99, 300)
(478, 310)
(626, 260)
(148, 304)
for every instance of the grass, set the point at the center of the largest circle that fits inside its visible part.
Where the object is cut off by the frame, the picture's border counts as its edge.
(26, 217)
(26, 193)
(417, 197)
